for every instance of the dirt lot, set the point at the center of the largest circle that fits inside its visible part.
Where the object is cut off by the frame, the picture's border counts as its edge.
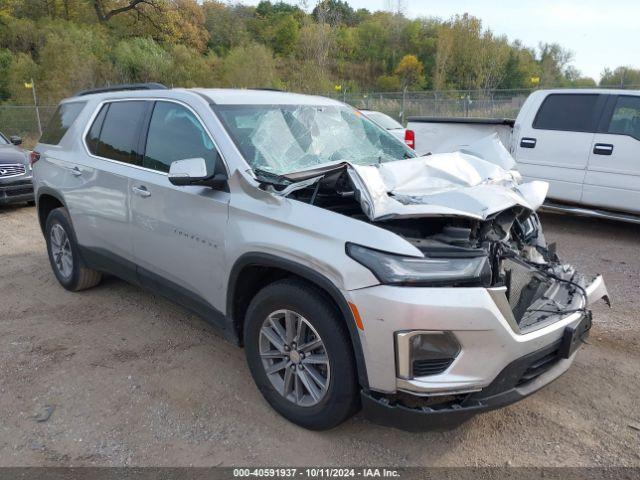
(135, 380)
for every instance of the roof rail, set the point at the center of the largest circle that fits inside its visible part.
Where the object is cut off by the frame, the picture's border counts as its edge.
(266, 89)
(125, 86)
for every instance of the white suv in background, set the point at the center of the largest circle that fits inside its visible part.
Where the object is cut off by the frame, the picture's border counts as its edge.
(354, 273)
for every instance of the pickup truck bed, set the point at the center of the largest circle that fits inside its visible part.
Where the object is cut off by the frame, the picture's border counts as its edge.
(441, 135)
(585, 143)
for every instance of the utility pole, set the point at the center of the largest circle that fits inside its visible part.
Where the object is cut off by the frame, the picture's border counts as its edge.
(35, 103)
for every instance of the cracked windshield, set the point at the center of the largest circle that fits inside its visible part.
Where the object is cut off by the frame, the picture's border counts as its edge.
(281, 139)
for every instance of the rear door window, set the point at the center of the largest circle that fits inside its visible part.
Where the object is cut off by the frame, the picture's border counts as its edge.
(569, 113)
(60, 122)
(115, 132)
(626, 117)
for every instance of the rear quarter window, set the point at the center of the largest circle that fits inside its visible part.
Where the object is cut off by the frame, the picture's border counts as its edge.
(62, 119)
(568, 112)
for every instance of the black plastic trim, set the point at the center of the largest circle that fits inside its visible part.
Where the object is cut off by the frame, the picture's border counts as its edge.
(44, 190)
(528, 142)
(105, 261)
(603, 149)
(267, 260)
(122, 87)
(507, 388)
(469, 120)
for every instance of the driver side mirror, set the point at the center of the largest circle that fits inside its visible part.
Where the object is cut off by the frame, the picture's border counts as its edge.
(193, 171)
(15, 139)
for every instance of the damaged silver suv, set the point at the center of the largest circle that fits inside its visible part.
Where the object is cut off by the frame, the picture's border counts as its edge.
(354, 273)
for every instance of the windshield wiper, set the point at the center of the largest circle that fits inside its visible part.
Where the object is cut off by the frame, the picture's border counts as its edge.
(271, 178)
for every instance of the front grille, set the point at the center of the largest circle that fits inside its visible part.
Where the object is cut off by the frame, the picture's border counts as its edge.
(538, 367)
(12, 170)
(423, 368)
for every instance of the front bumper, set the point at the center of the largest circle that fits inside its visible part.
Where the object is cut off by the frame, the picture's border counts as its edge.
(492, 349)
(510, 386)
(16, 191)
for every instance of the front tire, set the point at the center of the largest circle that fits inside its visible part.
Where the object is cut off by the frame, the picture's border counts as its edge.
(300, 355)
(64, 255)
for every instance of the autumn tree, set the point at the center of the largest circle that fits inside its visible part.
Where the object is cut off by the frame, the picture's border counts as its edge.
(410, 71)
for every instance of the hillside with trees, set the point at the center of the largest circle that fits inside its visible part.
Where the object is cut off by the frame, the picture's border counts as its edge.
(69, 45)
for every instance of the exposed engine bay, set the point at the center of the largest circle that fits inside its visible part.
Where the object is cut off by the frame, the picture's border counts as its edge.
(456, 206)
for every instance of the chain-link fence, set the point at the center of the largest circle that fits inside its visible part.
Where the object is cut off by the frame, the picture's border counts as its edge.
(22, 120)
(453, 103)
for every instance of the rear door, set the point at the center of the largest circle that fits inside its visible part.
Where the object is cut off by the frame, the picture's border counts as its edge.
(100, 201)
(555, 145)
(179, 232)
(613, 175)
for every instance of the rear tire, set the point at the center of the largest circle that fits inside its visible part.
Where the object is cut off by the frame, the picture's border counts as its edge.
(64, 254)
(318, 389)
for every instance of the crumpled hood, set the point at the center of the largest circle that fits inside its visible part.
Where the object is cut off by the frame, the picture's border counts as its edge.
(476, 183)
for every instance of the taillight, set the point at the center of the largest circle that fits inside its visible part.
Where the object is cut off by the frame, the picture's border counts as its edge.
(33, 157)
(410, 138)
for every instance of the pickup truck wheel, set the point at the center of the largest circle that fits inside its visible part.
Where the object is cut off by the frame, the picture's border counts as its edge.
(63, 253)
(300, 355)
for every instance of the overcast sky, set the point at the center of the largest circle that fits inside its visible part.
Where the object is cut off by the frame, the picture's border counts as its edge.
(600, 33)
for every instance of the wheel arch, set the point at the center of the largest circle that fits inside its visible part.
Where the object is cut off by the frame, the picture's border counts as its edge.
(46, 201)
(244, 283)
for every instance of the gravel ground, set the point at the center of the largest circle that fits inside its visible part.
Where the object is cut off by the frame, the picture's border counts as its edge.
(135, 380)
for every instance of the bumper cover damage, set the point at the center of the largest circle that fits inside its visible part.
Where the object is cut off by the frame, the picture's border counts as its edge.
(466, 204)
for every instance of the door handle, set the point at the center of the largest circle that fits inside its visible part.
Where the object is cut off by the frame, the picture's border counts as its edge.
(603, 149)
(528, 142)
(141, 191)
(75, 171)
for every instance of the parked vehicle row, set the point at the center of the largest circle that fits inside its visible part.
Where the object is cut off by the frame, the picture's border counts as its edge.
(15, 172)
(354, 273)
(584, 143)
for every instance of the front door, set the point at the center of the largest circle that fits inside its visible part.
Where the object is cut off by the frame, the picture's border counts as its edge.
(179, 232)
(613, 175)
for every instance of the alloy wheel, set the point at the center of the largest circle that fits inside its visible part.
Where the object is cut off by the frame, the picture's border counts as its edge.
(61, 250)
(294, 358)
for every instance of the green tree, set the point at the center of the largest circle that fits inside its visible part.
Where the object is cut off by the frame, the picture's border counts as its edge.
(226, 26)
(67, 44)
(285, 35)
(334, 12)
(620, 77)
(250, 66)
(5, 69)
(389, 83)
(141, 60)
(191, 69)
(21, 70)
(553, 61)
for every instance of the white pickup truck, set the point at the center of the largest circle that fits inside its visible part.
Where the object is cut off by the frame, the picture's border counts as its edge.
(584, 143)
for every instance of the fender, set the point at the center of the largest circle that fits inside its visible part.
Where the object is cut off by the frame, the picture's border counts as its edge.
(319, 280)
(44, 190)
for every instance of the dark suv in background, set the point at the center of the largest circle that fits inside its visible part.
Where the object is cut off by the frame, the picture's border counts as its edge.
(15, 172)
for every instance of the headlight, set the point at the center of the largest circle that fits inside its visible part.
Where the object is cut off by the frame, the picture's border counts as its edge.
(394, 269)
